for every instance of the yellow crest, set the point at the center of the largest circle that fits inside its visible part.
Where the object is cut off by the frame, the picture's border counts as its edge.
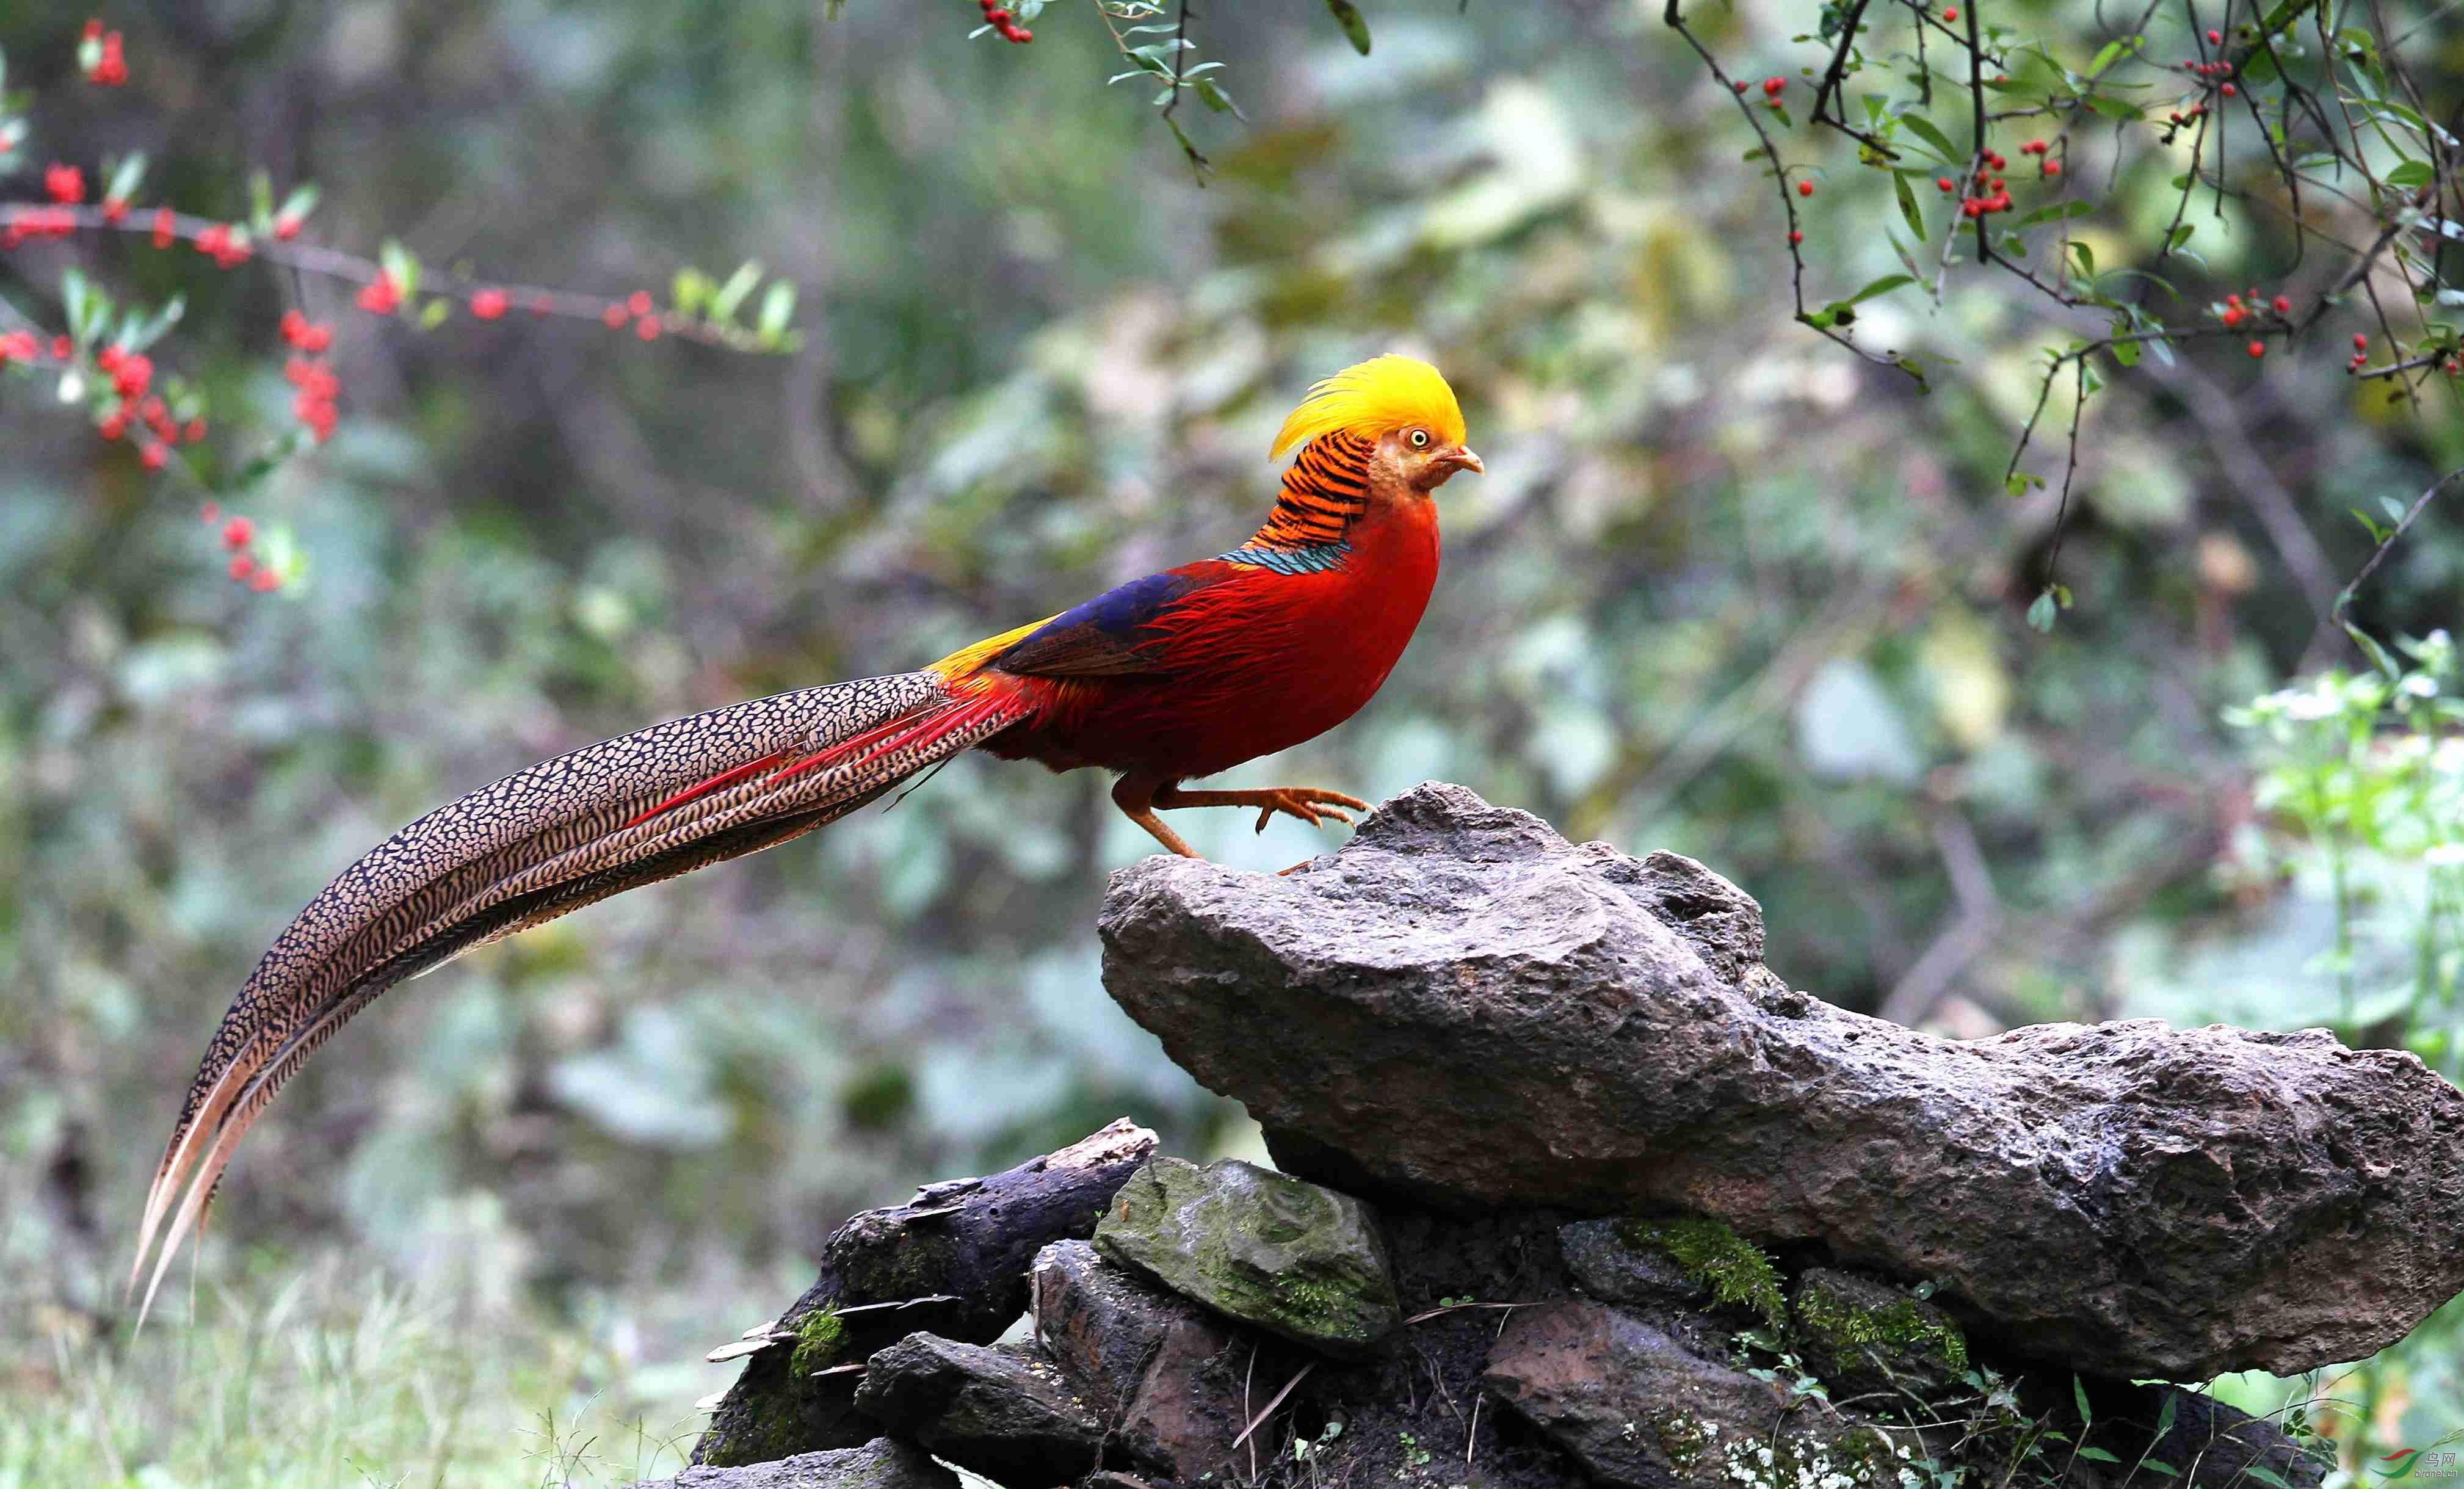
(1373, 398)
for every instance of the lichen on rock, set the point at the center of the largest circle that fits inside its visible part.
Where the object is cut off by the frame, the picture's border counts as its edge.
(1864, 1335)
(1290, 1256)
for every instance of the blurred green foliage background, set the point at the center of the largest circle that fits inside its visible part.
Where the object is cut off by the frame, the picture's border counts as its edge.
(1724, 591)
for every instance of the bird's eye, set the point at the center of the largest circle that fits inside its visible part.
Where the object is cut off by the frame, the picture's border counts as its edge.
(1420, 439)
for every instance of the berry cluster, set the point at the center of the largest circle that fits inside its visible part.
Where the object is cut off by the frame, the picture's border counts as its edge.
(380, 295)
(313, 405)
(997, 17)
(1991, 192)
(36, 221)
(636, 308)
(99, 56)
(229, 247)
(240, 534)
(2047, 166)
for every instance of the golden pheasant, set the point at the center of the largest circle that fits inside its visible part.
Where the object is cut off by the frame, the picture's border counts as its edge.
(1165, 679)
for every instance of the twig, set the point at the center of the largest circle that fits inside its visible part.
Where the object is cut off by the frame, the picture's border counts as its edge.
(1260, 1419)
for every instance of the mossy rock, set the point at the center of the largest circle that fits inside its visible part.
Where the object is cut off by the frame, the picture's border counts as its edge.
(1287, 1257)
(1715, 1259)
(1865, 1336)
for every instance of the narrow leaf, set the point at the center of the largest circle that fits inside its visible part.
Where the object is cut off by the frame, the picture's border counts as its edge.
(1355, 25)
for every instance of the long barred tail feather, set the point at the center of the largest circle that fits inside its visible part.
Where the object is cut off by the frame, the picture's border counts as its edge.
(544, 843)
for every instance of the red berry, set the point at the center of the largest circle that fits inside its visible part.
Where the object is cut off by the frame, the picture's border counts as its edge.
(66, 183)
(153, 455)
(2053, 167)
(109, 358)
(647, 328)
(2361, 343)
(997, 17)
(2233, 316)
(115, 210)
(1795, 237)
(286, 227)
(1947, 183)
(211, 512)
(265, 581)
(94, 29)
(1998, 183)
(2258, 348)
(316, 337)
(2452, 367)
(1805, 188)
(196, 430)
(62, 348)
(1019, 34)
(1951, 12)
(132, 375)
(1741, 86)
(380, 297)
(113, 426)
(2215, 39)
(2228, 90)
(2233, 300)
(242, 567)
(613, 317)
(1972, 207)
(489, 304)
(2283, 304)
(638, 303)
(238, 532)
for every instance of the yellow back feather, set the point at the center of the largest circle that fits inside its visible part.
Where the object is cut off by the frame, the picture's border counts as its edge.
(1373, 398)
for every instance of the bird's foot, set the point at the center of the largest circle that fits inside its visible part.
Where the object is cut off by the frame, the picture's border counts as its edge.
(1303, 803)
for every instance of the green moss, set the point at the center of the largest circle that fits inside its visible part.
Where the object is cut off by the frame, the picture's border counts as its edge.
(1901, 1326)
(817, 1342)
(1734, 1269)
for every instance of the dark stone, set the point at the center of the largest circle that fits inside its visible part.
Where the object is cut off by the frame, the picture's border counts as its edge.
(1004, 1414)
(1606, 1265)
(1164, 1375)
(1868, 1339)
(1465, 1009)
(1639, 1410)
(953, 1260)
(879, 1464)
(1293, 1257)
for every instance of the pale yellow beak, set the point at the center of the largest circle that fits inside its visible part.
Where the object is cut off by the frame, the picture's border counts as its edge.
(1465, 460)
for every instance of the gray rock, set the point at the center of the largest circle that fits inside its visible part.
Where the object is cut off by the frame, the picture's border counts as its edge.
(1285, 1255)
(879, 1464)
(1637, 1409)
(992, 1411)
(1164, 1375)
(1869, 1340)
(1462, 1006)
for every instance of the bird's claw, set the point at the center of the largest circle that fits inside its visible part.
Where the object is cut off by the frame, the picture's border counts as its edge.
(1308, 804)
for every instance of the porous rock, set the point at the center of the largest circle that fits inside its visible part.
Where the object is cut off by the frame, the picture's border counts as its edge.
(1007, 1417)
(1639, 1410)
(881, 1464)
(1290, 1256)
(1163, 1376)
(1461, 1007)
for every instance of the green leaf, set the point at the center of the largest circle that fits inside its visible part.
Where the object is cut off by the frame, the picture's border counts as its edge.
(260, 200)
(81, 300)
(777, 307)
(400, 267)
(1882, 285)
(2019, 483)
(2041, 614)
(432, 313)
(2125, 353)
(138, 334)
(2112, 51)
(1218, 99)
(731, 295)
(2097, 1454)
(1922, 128)
(296, 207)
(2371, 649)
(125, 178)
(690, 291)
(2079, 1397)
(1355, 25)
(2165, 1419)
(2085, 256)
(2181, 235)
(2410, 175)
(2056, 212)
(2266, 1475)
(1909, 212)
(2394, 509)
(2162, 1467)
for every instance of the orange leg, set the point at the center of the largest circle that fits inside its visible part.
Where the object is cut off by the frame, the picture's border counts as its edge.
(1302, 803)
(1140, 796)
